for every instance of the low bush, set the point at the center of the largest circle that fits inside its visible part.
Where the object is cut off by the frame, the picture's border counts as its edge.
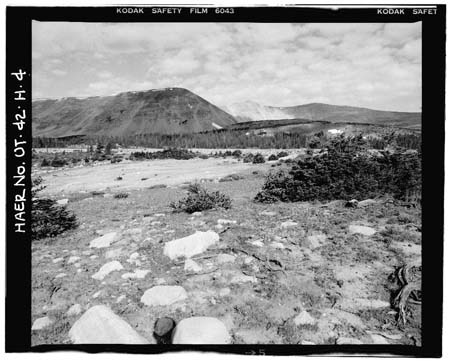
(282, 154)
(258, 158)
(230, 178)
(45, 163)
(347, 171)
(237, 153)
(121, 195)
(248, 158)
(199, 199)
(272, 157)
(48, 219)
(171, 153)
(58, 162)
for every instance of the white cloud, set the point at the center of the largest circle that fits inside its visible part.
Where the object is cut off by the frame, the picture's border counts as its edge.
(371, 65)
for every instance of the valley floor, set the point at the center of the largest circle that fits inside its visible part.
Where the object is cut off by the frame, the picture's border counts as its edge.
(299, 273)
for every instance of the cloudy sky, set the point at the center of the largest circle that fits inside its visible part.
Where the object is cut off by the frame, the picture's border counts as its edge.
(370, 65)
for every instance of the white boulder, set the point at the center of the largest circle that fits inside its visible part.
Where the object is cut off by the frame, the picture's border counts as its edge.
(201, 331)
(192, 266)
(74, 310)
(364, 230)
(103, 241)
(41, 323)
(100, 325)
(139, 273)
(107, 269)
(191, 245)
(163, 295)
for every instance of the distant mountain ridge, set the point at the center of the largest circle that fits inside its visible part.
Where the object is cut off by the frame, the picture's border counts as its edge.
(160, 111)
(252, 111)
(179, 111)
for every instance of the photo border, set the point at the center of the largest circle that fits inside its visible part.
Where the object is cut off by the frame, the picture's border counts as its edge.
(18, 245)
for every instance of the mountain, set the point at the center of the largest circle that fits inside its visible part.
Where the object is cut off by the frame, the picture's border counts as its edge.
(162, 111)
(251, 111)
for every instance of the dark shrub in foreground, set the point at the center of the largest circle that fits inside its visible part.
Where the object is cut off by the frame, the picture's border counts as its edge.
(272, 157)
(48, 219)
(199, 199)
(121, 195)
(345, 171)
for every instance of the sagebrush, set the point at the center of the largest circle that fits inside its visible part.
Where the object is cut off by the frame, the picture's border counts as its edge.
(200, 199)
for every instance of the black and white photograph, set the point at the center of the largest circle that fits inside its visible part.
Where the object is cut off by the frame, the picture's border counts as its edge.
(226, 182)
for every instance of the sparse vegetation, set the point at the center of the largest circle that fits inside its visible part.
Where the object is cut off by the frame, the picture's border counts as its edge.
(199, 199)
(121, 195)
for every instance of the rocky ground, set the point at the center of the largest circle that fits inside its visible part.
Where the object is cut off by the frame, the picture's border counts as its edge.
(300, 273)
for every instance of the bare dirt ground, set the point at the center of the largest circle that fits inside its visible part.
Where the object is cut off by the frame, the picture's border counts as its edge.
(298, 273)
(140, 174)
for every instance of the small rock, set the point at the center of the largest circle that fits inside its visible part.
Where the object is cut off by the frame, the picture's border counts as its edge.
(106, 269)
(197, 214)
(113, 253)
(304, 318)
(370, 303)
(62, 201)
(257, 243)
(243, 279)
(352, 203)
(192, 266)
(248, 259)
(225, 258)
(348, 341)
(73, 259)
(41, 323)
(316, 240)
(74, 310)
(288, 224)
(219, 227)
(94, 256)
(56, 260)
(159, 215)
(268, 213)
(103, 241)
(162, 330)
(277, 245)
(305, 342)
(137, 274)
(120, 298)
(163, 295)
(60, 275)
(378, 339)
(100, 325)
(96, 294)
(190, 246)
(224, 292)
(225, 221)
(134, 231)
(364, 230)
(201, 330)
